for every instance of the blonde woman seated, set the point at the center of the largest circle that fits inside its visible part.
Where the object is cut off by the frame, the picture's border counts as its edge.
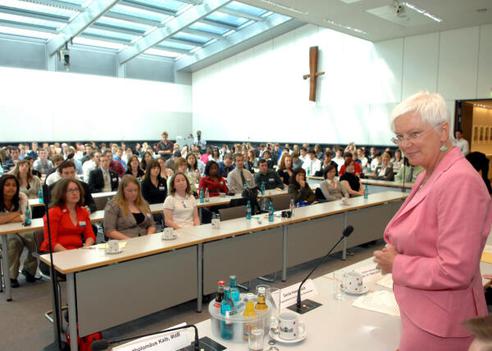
(29, 183)
(180, 206)
(331, 189)
(128, 215)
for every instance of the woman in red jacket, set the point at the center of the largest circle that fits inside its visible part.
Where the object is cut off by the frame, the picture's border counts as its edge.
(212, 181)
(69, 221)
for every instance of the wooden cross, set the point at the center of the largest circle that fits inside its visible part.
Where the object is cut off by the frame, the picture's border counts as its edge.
(313, 67)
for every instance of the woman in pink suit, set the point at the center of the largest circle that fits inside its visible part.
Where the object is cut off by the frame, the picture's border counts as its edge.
(435, 240)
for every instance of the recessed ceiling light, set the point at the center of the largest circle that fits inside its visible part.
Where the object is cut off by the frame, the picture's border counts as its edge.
(283, 7)
(352, 29)
(422, 11)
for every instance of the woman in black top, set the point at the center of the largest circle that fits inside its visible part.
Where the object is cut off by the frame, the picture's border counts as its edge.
(327, 161)
(299, 189)
(351, 182)
(154, 187)
(285, 170)
(134, 168)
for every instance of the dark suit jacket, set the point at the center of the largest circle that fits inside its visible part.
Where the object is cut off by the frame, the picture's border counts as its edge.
(88, 199)
(96, 180)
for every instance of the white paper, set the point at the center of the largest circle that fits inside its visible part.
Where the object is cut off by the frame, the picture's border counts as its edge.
(386, 281)
(166, 341)
(382, 301)
(289, 294)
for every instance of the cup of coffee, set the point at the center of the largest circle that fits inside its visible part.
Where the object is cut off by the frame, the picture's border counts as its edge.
(353, 282)
(168, 234)
(289, 326)
(112, 246)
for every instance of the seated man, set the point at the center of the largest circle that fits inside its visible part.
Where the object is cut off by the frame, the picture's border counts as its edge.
(53, 176)
(67, 171)
(267, 156)
(239, 177)
(226, 166)
(311, 164)
(42, 164)
(103, 179)
(268, 177)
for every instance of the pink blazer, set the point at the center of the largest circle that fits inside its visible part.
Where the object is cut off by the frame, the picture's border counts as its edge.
(439, 233)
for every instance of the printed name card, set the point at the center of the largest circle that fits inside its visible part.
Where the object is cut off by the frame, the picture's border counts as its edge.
(166, 341)
(289, 295)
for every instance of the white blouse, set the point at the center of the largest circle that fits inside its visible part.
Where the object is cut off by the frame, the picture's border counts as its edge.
(182, 208)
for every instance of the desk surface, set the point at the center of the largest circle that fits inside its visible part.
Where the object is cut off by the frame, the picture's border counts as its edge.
(82, 259)
(377, 182)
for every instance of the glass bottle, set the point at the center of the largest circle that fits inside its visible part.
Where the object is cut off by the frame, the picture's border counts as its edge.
(271, 212)
(261, 303)
(248, 210)
(235, 295)
(226, 307)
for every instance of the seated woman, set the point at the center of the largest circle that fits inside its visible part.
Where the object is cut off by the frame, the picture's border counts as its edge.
(146, 158)
(250, 161)
(327, 161)
(166, 172)
(127, 214)
(331, 189)
(29, 183)
(134, 168)
(285, 170)
(154, 187)
(69, 220)
(212, 181)
(384, 171)
(192, 171)
(299, 189)
(181, 166)
(351, 182)
(180, 206)
(397, 161)
(13, 205)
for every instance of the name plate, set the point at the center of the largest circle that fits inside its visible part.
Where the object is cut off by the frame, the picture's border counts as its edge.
(166, 341)
(288, 296)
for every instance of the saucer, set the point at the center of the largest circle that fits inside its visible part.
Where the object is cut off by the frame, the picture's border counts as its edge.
(277, 338)
(171, 238)
(114, 252)
(364, 291)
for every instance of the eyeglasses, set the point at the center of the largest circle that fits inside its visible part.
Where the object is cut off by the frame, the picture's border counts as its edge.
(77, 190)
(412, 137)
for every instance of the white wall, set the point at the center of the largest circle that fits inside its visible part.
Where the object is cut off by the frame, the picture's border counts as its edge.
(259, 95)
(55, 106)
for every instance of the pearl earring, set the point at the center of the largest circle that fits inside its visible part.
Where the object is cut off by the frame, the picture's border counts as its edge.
(443, 148)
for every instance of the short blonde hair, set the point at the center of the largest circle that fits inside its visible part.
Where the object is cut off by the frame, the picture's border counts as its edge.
(431, 107)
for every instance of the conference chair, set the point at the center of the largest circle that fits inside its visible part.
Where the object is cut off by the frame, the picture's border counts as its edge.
(232, 212)
(281, 202)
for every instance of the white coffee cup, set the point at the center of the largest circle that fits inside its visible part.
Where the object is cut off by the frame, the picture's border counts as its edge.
(353, 282)
(289, 326)
(113, 246)
(168, 234)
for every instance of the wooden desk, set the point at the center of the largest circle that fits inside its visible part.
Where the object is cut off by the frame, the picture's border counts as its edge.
(385, 183)
(36, 202)
(243, 247)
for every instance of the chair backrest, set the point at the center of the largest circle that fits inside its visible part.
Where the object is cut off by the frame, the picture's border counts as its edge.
(232, 212)
(101, 202)
(281, 202)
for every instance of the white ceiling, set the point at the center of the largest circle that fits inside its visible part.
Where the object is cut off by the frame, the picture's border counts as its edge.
(354, 13)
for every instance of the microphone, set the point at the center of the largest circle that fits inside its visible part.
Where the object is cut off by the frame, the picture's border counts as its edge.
(308, 305)
(103, 344)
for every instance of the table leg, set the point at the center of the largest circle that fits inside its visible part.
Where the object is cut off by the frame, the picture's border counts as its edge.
(5, 267)
(199, 297)
(344, 250)
(284, 253)
(72, 311)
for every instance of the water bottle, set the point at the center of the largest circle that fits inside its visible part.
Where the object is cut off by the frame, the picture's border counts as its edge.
(248, 210)
(27, 217)
(207, 195)
(40, 195)
(271, 212)
(202, 196)
(292, 205)
(234, 290)
(366, 192)
(262, 188)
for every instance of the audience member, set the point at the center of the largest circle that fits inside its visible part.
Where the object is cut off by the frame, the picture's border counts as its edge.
(134, 168)
(180, 208)
(53, 176)
(103, 179)
(461, 142)
(349, 159)
(29, 184)
(296, 160)
(240, 178)
(91, 164)
(385, 170)
(299, 189)
(165, 172)
(267, 177)
(165, 147)
(13, 205)
(146, 158)
(69, 221)
(192, 170)
(226, 166)
(327, 161)
(397, 161)
(311, 164)
(154, 187)
(408, 173)
(339, 159)
(351, 182)
(127, 214)
(285, 170)
(331, 189)
(213, 181)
